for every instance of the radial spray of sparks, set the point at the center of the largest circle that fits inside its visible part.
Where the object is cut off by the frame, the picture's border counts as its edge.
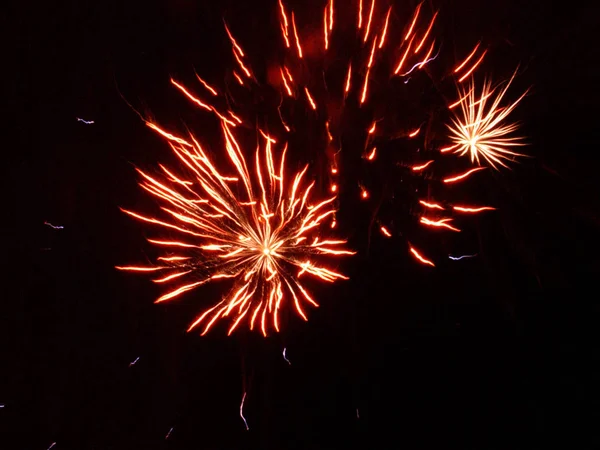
(479, 128)
(258, 227)
(360, 81)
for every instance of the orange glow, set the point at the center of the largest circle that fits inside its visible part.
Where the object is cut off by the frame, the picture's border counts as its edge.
(238, 78)
(401, 63)
(348, 78)
(364, 194)
(412, 25)
(385, 27)
(206, 85)
(461, 79)
(310, 99)
(459, 101)
(369, 22)
(326, 27)
(334, 170)
(422, 166)
(331, 15)
(287, 87)
(430, 205)
(334, 188)
(372, 52)
(298, 46)
(236, 47)
(284, 24)
(426, 33)
(420, 258)
(333, 224)
(190, 96)
(448, 149)
(463, 175)
(371, 155)
(469, 209)
(364, 91)
(414, 133)
(385, 232)
(467, 59)
(329, 136)
(442, 223)
(373, 127)
(360, 8)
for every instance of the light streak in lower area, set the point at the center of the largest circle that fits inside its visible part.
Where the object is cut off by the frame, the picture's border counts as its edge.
(87, 122)
(242, 412)
(134, 361)
(285, 356)
(56, 227)
(458, 258)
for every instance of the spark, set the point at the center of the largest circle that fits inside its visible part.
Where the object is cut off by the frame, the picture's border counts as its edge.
(412, 25)
(52, 445)
(169, 433)
(369, 22)
(422, 63)
(296, 36)
(422, 166)
(421, 258)
(310, 99)
(207, 86)
(480, 127)
(458, 258)
(348, 78)
(285, 357)
(134, 361)
(467, 209)
(467, 59)
(463, 175)
(442, 223)
(430, 205)
(371, 155)
(242, 412)
(87, 122)
(426, 33)
(56, 227)
(470, 71)
(385, 27)
(360, 8)
(414, 133)
(385, 232)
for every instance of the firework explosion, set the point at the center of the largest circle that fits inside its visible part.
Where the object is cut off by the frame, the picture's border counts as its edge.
(343, 97)
(268, 238)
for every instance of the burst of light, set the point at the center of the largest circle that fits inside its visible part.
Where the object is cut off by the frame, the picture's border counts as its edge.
(480, 128)
(262, 231)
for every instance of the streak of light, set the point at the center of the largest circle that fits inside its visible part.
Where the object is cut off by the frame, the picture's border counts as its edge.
(207, 86)
(56, 227)
(421, 258)
(414, 133)
(385, 27)
(371, 155)
(412, 25)
(430, 205)
(462, 175)
(310, 99)
(467, 209)
(169, 433)
(134, 361)
(285, 357)
(298, 46)
(385, 232)
(458, 258)
(52, 445)
(87, 122)
(242, 409)
(442, 223)
(426, 33)
(369, 22)
(461, 79)
(461, 65)
(422, 166)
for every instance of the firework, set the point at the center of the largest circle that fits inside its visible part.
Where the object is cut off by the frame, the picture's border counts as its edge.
(369, 75)
(480, 128)
(263, 231)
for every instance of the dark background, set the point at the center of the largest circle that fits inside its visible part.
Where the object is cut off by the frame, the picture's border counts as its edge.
(495, 352)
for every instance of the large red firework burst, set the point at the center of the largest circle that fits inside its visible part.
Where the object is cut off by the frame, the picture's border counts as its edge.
(353, 94)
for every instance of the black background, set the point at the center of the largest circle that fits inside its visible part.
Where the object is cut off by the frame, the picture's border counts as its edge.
(495, 352)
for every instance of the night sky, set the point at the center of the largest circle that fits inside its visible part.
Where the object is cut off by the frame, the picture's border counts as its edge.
(495, 352)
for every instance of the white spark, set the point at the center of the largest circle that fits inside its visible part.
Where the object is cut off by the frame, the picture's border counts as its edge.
(169, 433)
(56, 227)
(458, 258)
(242, 412)
(134, 361)
(87, 122)
(285, 357)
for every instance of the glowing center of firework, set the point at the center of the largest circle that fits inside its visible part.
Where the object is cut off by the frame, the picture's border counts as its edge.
(267, 251)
